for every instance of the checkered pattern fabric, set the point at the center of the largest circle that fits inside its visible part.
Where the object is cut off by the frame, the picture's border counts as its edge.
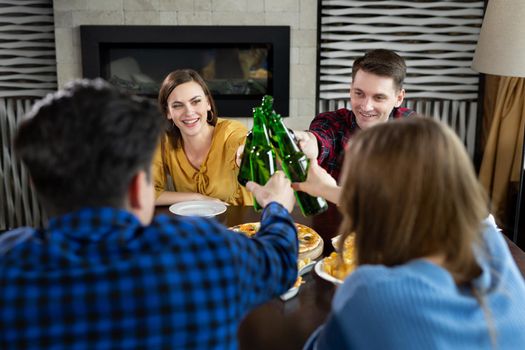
(333, 130)
(98, 279)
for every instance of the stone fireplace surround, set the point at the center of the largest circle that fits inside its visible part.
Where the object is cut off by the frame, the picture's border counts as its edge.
(301, 16)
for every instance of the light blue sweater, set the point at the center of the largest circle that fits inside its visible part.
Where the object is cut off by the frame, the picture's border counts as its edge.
(418, 306)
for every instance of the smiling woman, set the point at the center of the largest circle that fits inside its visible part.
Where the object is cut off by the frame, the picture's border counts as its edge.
(198, 149)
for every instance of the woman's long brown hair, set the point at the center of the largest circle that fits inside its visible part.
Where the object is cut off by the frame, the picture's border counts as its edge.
(410, 191)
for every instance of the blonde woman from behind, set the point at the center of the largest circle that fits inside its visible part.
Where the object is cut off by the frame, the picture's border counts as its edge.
(432, 272)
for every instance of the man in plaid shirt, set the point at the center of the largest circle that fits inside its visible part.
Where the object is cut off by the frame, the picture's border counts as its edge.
(376, 94)
(103, 274)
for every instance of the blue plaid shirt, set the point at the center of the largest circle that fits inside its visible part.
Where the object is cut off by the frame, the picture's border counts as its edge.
(98, 279)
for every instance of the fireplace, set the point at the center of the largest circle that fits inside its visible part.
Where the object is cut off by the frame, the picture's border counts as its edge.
(239, 63)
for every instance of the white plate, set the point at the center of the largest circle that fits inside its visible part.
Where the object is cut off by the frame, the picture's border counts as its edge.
(198, 208)
(306, 268)
(289, 294)
(318, 268)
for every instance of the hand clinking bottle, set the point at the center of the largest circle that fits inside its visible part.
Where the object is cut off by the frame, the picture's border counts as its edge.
(294, 163)
(260, 157)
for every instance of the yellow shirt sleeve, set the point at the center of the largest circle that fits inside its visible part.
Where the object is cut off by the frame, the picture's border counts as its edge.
(159, 174)
(217, 176)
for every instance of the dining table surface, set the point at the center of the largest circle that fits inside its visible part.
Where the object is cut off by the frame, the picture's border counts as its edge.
(280, 324)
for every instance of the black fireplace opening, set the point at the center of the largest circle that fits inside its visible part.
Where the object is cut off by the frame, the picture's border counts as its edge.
(240, 64)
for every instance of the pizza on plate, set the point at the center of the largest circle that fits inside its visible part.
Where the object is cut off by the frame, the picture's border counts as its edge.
(310, 243)
(249, 229)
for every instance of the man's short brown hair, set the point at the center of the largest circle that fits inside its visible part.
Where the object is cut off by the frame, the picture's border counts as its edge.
(385, 63)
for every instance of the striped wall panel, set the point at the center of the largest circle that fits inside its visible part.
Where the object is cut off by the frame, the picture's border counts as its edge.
(27, 73)
(27, 52)
(19, 205)
(437, 38)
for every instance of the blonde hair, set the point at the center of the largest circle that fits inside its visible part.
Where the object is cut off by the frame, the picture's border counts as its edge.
(410, 191)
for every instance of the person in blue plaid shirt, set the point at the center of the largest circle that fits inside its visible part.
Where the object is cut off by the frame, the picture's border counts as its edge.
(104, 274)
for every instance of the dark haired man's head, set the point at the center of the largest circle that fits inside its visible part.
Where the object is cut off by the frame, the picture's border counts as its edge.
(384, 63)
(85, 145)
(376, 89)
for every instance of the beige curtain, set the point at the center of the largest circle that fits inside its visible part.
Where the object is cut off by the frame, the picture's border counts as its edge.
(500, 167)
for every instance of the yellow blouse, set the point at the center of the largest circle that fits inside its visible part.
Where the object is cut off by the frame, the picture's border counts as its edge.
(217, 176)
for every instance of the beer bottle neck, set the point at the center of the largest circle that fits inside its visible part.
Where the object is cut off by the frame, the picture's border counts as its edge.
(282, 137)
(267, 106)
(259, 132)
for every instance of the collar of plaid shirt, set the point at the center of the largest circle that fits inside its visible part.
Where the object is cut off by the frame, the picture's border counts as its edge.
(91, 224)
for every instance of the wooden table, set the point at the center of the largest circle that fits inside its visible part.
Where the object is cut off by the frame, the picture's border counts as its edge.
(286, 325)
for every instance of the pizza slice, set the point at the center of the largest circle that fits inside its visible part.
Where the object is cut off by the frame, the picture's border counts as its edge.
(310, 243)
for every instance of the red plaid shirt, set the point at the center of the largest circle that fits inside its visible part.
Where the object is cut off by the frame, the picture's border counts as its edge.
(333, 130)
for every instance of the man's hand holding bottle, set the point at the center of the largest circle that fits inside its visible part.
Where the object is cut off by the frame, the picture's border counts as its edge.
(308, 143)
(319, 183)
(277, 189)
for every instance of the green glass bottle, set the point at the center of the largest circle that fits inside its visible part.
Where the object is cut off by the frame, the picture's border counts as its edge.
(261, 156)
(267, 107)
(295, 164)
(244, 169)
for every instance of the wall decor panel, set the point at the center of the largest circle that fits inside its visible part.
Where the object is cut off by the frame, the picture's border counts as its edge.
(437, 38)
(27, 73)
